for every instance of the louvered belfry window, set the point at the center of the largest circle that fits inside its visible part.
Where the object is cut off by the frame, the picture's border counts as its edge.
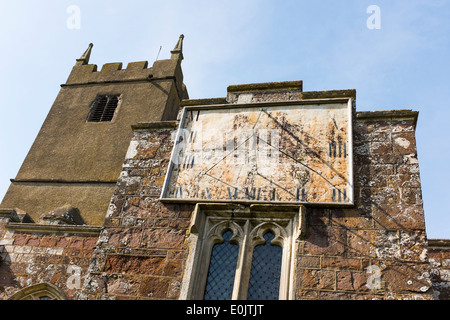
(103, 108)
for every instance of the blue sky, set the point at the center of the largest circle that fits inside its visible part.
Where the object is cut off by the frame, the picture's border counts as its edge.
(403, 65)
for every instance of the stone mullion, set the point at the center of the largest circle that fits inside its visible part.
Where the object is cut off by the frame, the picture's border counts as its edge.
(244, 264)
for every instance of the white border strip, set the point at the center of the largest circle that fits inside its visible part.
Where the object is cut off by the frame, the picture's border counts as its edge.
(253, 105)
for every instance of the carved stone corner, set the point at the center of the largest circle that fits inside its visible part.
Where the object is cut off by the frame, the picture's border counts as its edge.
(65, 215)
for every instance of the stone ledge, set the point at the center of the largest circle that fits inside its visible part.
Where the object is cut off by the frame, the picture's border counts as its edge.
(8, 215)
(284, 85)
(46, 228)
(143, 79)
(63, 181)
(155, 125)
(200, 102)
(439, 243)
(257, 202)
(14, 215)
(348, 93)
(401, 113)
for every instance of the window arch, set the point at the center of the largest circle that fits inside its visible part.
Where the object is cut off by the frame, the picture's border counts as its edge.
(259, 246)
(41, 291)
(222, 269)
(221, 235)
(268, 260)
(265, 272)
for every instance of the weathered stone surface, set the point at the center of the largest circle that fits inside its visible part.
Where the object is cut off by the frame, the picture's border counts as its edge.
(60, 260)
(439, 257)
(384, 232)
(134, 265)
(325, 240)
(150, 234)
(352, 281)
(374, 249)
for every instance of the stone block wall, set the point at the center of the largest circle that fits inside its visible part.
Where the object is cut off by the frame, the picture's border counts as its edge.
(439, 256)
(378, 249)
(141, 251)
(33, 254)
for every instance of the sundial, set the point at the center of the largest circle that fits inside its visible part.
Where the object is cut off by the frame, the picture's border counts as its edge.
(290, 152)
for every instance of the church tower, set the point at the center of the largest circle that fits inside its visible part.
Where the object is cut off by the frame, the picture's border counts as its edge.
(77, 157)
(138, 192)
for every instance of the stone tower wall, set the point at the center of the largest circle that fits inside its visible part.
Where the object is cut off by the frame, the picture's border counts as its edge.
(77, 162)
(439, 257)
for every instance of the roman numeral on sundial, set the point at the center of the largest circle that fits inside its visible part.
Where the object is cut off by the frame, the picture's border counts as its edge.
(178, 193)
(337, 149)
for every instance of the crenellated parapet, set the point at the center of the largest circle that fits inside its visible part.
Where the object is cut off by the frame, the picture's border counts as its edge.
(109, 72)
(84, 73)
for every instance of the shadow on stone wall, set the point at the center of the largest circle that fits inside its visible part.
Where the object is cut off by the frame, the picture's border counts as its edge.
(7, 277)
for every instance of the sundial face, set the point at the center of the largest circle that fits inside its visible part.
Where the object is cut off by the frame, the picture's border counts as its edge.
(264, 153)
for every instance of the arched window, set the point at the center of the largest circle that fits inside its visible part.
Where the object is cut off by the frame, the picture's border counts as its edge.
(242, 254)
(264, 283)
(41, 291)
(222, 269)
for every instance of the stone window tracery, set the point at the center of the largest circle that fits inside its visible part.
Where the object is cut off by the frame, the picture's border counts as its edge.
(41, 291)
(264, 283)
(238, 253)
(222, 268)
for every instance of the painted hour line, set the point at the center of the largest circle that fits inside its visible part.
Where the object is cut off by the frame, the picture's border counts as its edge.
(178, 191)
(336, 150)
(230, 195)
(339, 196)
(192, 136)
(191, 114)
(301, 194)
(188, 162)
(253, 195)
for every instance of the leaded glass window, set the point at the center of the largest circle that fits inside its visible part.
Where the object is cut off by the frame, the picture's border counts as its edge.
(265, 272)
(242, 253)
(222, 269)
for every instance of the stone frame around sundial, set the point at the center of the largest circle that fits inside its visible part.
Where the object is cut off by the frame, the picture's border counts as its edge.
(284, 152)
